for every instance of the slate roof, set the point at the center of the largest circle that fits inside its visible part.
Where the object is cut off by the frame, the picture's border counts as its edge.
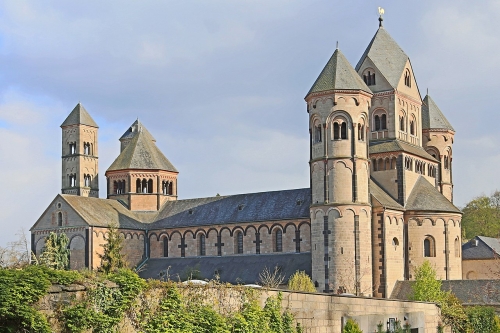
(386, 55)
(383, 197)
(397, 145)
(338, 74)
(469, 292)
(249, 207)
(432, 117)
(425, 196)
(240, 269)
(134, 129)
(103, 212)
(79, 116)
(487, 248)
(142, 153)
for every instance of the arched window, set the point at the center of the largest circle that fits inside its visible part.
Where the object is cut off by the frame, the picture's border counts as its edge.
(202, 245)
(343, 131)
(446, 162)
(170, 188)
(72, 180)
(429, 247)
(150, 186)
(336, 131)
(165, 247)
(393, 163)
(59, 219)
(383, 122)
(279, 241)
(317, 133)
(387, 164)
(457, 247)
(115, 187)
(395, 242)
(402, 123)
(380, 165)
(144, 186)
(377, 123)
(72, 148)
(239, 242)
(361, 134)
(374, 162)
(86, 148)
(412, 127)
(369, 78)
(138, 186)
(407, 78)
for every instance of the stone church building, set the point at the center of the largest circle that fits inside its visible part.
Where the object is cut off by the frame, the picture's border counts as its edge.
(378, 205)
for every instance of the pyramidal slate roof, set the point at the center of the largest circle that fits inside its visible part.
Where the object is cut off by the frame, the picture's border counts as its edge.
(79, 116)
(425, 196)
(383, 197)
(135, 128)
(432, 117)
(387, 55)
(142, 153)
(338, 74)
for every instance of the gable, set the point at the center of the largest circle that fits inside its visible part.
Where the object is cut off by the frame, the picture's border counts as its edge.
(49, 218)
(381, 83)
(412, 89)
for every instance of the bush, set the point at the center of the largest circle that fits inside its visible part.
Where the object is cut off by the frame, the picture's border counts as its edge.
(482, 319)
(351, 326)
(300, 281)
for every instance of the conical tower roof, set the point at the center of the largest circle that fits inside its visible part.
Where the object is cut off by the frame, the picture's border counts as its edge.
(79, 116)
(135, 128)
(338, 74)
(142, 153)
(386, 55)
(432, 117)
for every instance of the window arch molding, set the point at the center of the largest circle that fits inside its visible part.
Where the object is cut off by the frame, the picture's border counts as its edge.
(340, 125)
(379, 120)
(429, 245)
(369, 76)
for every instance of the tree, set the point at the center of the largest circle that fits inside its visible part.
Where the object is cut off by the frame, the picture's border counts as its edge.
(482, 319)
(481, 216)
(427, 288)
(112, 259)
(271, 279)
(55, 253)
(351, 326)
(16, 254)
(300, 281)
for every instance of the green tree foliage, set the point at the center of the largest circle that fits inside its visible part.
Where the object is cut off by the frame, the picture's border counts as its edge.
(426, 287)
(20, 289)
(482, 216)
(482, 319)
(351, 326)
(112, 259)
(300, 281)
(55, 253)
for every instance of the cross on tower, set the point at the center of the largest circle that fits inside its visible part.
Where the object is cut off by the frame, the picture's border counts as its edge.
(182, 246)
(257, 242)
(219, 245)
(297, 241)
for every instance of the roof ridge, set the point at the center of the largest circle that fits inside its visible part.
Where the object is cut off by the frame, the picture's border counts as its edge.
(338, 73)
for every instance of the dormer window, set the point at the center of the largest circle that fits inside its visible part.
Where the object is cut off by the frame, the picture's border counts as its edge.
(369, 78)
(407, 78)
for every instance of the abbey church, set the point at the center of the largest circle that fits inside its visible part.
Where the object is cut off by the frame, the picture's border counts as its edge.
(380, 200)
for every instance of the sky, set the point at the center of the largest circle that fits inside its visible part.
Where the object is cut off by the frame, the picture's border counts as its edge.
(221, 84)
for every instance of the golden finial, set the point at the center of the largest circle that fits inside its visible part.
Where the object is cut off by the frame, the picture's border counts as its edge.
(381, 13)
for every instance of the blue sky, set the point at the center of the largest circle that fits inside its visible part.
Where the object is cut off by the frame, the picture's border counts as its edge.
(220, 85)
